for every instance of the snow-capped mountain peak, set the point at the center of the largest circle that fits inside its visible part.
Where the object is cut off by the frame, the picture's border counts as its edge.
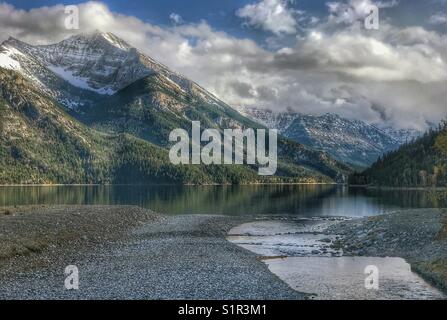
(108, 37)
(98, 62)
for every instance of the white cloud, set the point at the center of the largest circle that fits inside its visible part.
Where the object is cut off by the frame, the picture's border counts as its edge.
(395, 75)
(356, 54)
(271, 15)
(439, 18)
(354, 10)
(176, 18)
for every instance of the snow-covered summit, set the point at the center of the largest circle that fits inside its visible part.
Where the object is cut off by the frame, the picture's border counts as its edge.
(99, 62)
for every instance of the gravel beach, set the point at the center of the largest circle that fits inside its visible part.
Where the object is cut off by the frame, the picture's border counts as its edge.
(129, 253)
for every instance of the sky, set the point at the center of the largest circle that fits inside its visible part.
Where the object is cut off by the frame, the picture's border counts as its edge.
(310, 56)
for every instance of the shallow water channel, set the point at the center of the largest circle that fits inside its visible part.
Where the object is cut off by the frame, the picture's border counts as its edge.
(299, 253)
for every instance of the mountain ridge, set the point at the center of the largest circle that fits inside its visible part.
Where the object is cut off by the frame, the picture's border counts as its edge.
(350, 141)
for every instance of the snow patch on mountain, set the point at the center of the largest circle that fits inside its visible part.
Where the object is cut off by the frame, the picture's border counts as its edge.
(6, 58)
(77, 81)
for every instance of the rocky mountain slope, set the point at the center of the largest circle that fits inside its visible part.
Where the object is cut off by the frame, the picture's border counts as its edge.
(106, 85)
(352, 142)
(403, 136)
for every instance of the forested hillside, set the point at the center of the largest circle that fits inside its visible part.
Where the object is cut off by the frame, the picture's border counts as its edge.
(41, 144)
(421, 163)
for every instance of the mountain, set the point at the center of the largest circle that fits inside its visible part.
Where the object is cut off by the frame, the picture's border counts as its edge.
(421, 163)
(98, 63)
(352, 142)
(40, 143)
(403, 136)
(125, 104)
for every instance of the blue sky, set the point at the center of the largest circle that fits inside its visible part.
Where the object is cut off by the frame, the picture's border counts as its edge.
(219, 14)
(313, 56)
(222, 14)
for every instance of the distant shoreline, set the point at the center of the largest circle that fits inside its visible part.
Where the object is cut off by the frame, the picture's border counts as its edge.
(398, 188)
(166, 185)
(227, 185)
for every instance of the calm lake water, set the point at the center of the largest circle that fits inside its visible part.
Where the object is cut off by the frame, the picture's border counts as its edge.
(303, 200)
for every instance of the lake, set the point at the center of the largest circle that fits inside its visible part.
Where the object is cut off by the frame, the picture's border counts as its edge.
(302, 200)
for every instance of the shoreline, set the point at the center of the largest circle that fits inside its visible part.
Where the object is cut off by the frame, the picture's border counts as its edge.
(168, 185)
(418, 235)
(369, 187)
(398, 188)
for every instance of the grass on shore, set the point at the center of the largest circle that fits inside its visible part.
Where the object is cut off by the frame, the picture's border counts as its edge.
(433, 271)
